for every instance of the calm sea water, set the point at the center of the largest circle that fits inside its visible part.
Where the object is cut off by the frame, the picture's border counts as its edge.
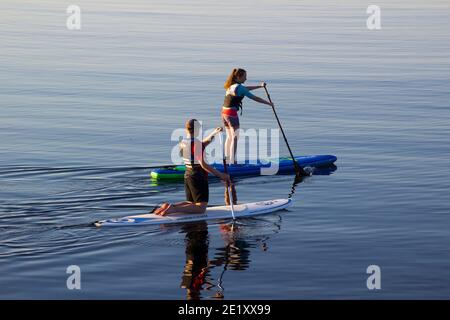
(84, 114)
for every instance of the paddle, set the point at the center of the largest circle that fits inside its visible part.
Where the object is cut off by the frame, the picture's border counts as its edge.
(225, 170)
(299, 171)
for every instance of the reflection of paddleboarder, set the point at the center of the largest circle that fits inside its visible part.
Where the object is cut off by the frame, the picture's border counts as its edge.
(237, 250)
(235, 255)
(195, 274)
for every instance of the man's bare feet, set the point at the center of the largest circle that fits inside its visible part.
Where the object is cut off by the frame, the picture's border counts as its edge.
(161, 208)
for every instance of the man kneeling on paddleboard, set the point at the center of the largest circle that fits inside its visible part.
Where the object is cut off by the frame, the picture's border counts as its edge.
(196, 174)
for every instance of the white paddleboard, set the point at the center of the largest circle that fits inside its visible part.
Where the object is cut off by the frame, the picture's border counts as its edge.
(212, 213)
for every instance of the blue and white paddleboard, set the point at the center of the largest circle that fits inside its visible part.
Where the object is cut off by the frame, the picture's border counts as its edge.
(212, 213)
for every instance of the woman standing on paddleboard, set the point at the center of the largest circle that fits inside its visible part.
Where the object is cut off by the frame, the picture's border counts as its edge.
(235, 93)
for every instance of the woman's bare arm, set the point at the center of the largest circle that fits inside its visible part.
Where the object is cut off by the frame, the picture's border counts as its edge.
(253, 87)
(256, 87)
(210, 138)
(260, 100)
(214, 171)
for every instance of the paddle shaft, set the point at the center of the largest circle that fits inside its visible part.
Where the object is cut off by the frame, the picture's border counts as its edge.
(298, 170)
(225, 170)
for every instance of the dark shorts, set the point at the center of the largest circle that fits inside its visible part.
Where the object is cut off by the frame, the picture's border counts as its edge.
(196, 187)
(230, 121)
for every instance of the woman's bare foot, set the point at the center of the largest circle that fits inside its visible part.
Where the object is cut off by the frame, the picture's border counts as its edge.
(166, 210)
(161, 208)
(156, 208)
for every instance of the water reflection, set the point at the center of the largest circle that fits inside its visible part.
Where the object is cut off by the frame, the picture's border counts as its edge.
(319, 171)
(196, 271)
(239, 240)
(235, 255)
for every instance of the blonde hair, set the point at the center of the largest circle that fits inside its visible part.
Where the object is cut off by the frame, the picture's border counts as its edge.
(237, 72)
